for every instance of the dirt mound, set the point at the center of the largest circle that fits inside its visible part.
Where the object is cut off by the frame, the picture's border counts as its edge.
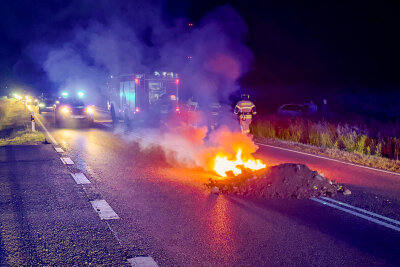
(281, 181)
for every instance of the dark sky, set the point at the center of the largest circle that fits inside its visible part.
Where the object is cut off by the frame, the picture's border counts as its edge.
(295, 43)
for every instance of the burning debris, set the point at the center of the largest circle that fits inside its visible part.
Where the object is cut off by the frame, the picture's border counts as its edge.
(281, 181)
(224, 165)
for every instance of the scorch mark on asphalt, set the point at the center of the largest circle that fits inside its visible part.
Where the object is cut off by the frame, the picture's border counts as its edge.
(104, 210)
(385, 221)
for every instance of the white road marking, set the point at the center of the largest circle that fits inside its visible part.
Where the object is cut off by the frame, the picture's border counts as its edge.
(335, 160)
(47, 132)
(142, 262)
(104, 210)
(362, 210)
(80, 178)
(59, 149)
(356, 214)
(67, 161)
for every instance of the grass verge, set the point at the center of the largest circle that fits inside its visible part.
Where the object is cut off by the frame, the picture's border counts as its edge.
(365, 160)
(23, 138)
(15, 124)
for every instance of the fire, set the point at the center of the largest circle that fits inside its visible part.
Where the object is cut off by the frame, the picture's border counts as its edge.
(222, 164)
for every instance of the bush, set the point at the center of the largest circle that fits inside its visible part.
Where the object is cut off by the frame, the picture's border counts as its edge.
(354, 138)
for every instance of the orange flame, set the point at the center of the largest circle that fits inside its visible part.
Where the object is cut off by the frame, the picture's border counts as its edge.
(222, 164)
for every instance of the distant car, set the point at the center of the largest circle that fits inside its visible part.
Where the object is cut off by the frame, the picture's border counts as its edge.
(292, 110)
(46, 105)
(70, 110)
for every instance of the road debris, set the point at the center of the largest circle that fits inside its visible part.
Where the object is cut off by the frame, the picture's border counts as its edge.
(282, 181)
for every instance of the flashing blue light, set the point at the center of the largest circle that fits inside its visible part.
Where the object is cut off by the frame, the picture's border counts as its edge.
(64, 94)
(81, 94)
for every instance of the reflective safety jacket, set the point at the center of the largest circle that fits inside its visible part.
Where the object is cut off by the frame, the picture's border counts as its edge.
(245, 109)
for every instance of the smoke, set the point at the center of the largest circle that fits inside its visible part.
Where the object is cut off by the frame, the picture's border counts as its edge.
(188, 146)
(134, 38)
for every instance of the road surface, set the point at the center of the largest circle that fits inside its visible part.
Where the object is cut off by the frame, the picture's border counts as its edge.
(166, 212)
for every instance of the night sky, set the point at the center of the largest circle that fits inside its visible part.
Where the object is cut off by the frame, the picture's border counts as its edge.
(313, 44)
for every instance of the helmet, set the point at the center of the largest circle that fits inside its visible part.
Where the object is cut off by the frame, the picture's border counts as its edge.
(245, 96)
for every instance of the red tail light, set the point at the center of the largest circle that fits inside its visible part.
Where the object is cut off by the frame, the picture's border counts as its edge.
(177, 81)
(177, 109)
(137, 109)
(136, 81)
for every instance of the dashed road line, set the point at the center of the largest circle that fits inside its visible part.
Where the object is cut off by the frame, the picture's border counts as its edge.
(142, 262)
(47, 132)
(104, 210)
(67, 161)
(335, 160)
(59, 149)
(355, 213)
(80, 178)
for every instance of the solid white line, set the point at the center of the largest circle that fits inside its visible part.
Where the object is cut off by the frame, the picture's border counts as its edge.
(357, 214)
(47, 132)
(67, 161)
(104, 210)
(142, 262)
(59, 149)
(80, 178)
(335, 160)
(362, 210)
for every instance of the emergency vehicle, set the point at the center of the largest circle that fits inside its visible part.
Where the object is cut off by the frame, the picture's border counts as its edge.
(143, 98)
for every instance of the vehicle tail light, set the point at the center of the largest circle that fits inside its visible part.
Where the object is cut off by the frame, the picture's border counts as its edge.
(137, 109)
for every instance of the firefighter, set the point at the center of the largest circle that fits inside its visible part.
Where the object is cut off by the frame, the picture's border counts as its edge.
(245, 109)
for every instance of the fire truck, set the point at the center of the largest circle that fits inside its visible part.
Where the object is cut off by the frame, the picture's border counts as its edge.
(143, 98)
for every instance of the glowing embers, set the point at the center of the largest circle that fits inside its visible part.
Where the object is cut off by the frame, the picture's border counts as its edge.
(223, 165)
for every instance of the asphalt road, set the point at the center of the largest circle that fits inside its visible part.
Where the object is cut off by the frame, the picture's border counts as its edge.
(167, 213)
(45, 218)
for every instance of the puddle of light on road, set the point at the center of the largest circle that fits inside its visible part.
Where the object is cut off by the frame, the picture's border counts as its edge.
(222, 237)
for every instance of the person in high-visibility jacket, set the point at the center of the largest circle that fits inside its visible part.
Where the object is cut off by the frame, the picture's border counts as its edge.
(245, 109)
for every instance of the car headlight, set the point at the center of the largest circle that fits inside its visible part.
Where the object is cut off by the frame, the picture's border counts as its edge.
(65, 109)
(90, 110)
(41, 105)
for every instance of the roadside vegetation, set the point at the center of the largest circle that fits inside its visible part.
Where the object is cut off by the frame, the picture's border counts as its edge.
(376, 145)
(15, 126)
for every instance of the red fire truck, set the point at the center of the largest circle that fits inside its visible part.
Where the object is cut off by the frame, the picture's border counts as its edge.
(143, 98)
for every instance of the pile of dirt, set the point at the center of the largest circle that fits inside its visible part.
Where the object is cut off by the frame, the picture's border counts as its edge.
(281, 181)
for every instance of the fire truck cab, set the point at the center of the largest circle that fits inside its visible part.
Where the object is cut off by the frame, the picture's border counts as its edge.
(143, 98)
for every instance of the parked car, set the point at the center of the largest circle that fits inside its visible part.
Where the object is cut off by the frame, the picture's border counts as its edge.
(292, 110)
